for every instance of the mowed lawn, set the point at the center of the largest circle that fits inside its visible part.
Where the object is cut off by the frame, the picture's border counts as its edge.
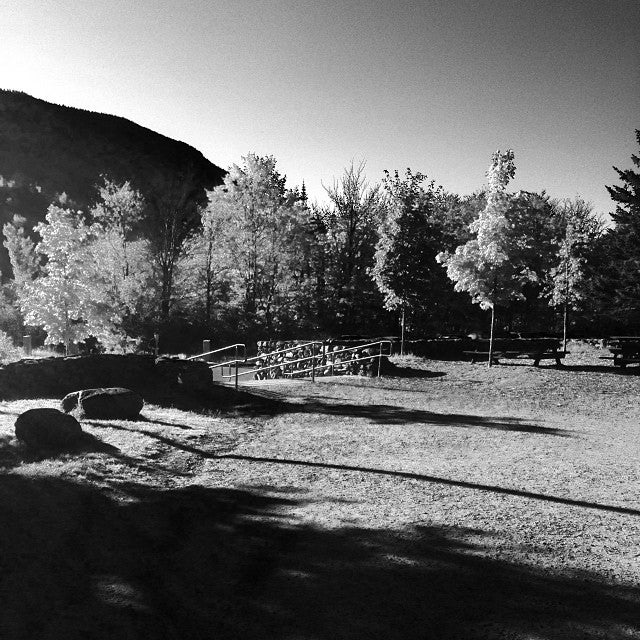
(450, 501)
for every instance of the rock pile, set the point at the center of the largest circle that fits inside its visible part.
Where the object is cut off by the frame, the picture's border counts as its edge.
(37, 378)
(329, 359)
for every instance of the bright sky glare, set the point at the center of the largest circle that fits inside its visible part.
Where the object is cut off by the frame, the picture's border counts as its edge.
(435, 85)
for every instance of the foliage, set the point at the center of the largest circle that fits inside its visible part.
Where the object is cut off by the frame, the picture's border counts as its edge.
(47, 149)
(351, 221)
(578, 231)
(202, 272)
(126, 261)
(484, 266)
(257, 220)
(627, 196)
(24, 262)
(613, 268)
(68, 298)
(8, 351)
(405, 267)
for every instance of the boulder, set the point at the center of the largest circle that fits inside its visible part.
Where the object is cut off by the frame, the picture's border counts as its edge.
(113, 403)
(47, 428)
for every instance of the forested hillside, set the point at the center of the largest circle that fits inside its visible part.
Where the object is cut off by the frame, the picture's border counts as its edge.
(48, 149)
(116, 234)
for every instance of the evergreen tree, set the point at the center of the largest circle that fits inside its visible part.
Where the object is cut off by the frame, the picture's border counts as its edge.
(613, 269)
(627, 196)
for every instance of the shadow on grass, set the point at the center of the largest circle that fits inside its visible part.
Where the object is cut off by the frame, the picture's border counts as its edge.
(215, 400)
(391, 414)
(411, 372)
(218, 563)
(597, 368)
(13, 453)
(224, 453)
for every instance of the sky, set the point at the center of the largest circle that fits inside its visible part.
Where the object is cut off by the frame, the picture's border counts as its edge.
(434, 85)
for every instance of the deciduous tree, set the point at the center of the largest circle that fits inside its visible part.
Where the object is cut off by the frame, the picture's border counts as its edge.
(68, 298)
(483, 266)
(351, 221)
(257, 218)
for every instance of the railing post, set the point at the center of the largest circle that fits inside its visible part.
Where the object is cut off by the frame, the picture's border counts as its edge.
(26, 345)
(236, 363)
(379, 359)
(206, 347)
(313, 363)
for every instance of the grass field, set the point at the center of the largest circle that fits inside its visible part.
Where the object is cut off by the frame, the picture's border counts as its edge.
(451, 501)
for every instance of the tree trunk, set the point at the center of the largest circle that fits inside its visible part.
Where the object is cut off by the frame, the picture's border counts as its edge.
(566, 302)
(493, 322)
(402, 333)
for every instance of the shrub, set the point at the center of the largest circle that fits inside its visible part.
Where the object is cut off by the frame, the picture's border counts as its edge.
(8, 351)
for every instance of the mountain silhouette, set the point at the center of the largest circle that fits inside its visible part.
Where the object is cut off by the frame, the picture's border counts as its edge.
(47, 150)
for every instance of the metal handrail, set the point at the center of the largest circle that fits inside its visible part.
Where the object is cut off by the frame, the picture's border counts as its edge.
(312, 357)
(271, 366)
(338, 364)
(210, 353)
(362, 346)
(275, 353)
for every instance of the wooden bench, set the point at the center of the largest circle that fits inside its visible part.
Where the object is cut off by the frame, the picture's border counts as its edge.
(625, 350)
(535, 349)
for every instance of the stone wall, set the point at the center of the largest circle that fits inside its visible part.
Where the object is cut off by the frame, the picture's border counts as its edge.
(55, 377)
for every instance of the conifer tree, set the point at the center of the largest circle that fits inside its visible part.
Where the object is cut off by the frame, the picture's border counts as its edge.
(614, 267)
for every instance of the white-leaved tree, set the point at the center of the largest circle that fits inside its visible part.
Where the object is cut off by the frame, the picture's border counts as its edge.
(68, 298)
(485, 266)
(125, 258)
(579, 228)
(202, 271)
(255, 217)
(20, 247)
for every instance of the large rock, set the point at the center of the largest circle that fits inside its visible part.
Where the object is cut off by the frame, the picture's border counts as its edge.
(113, 403)
(47, 428)
(192, 375)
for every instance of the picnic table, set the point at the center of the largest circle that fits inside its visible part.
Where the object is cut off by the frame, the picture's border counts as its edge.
(625, 350)
(535, 349)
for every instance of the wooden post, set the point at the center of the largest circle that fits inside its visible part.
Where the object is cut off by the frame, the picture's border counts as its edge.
(402, 334)
(206, 347)
(26, 345)
(156, 337)
(493, 318)
(379, 359)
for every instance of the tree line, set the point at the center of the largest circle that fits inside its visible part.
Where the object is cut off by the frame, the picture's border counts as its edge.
(260, 261)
